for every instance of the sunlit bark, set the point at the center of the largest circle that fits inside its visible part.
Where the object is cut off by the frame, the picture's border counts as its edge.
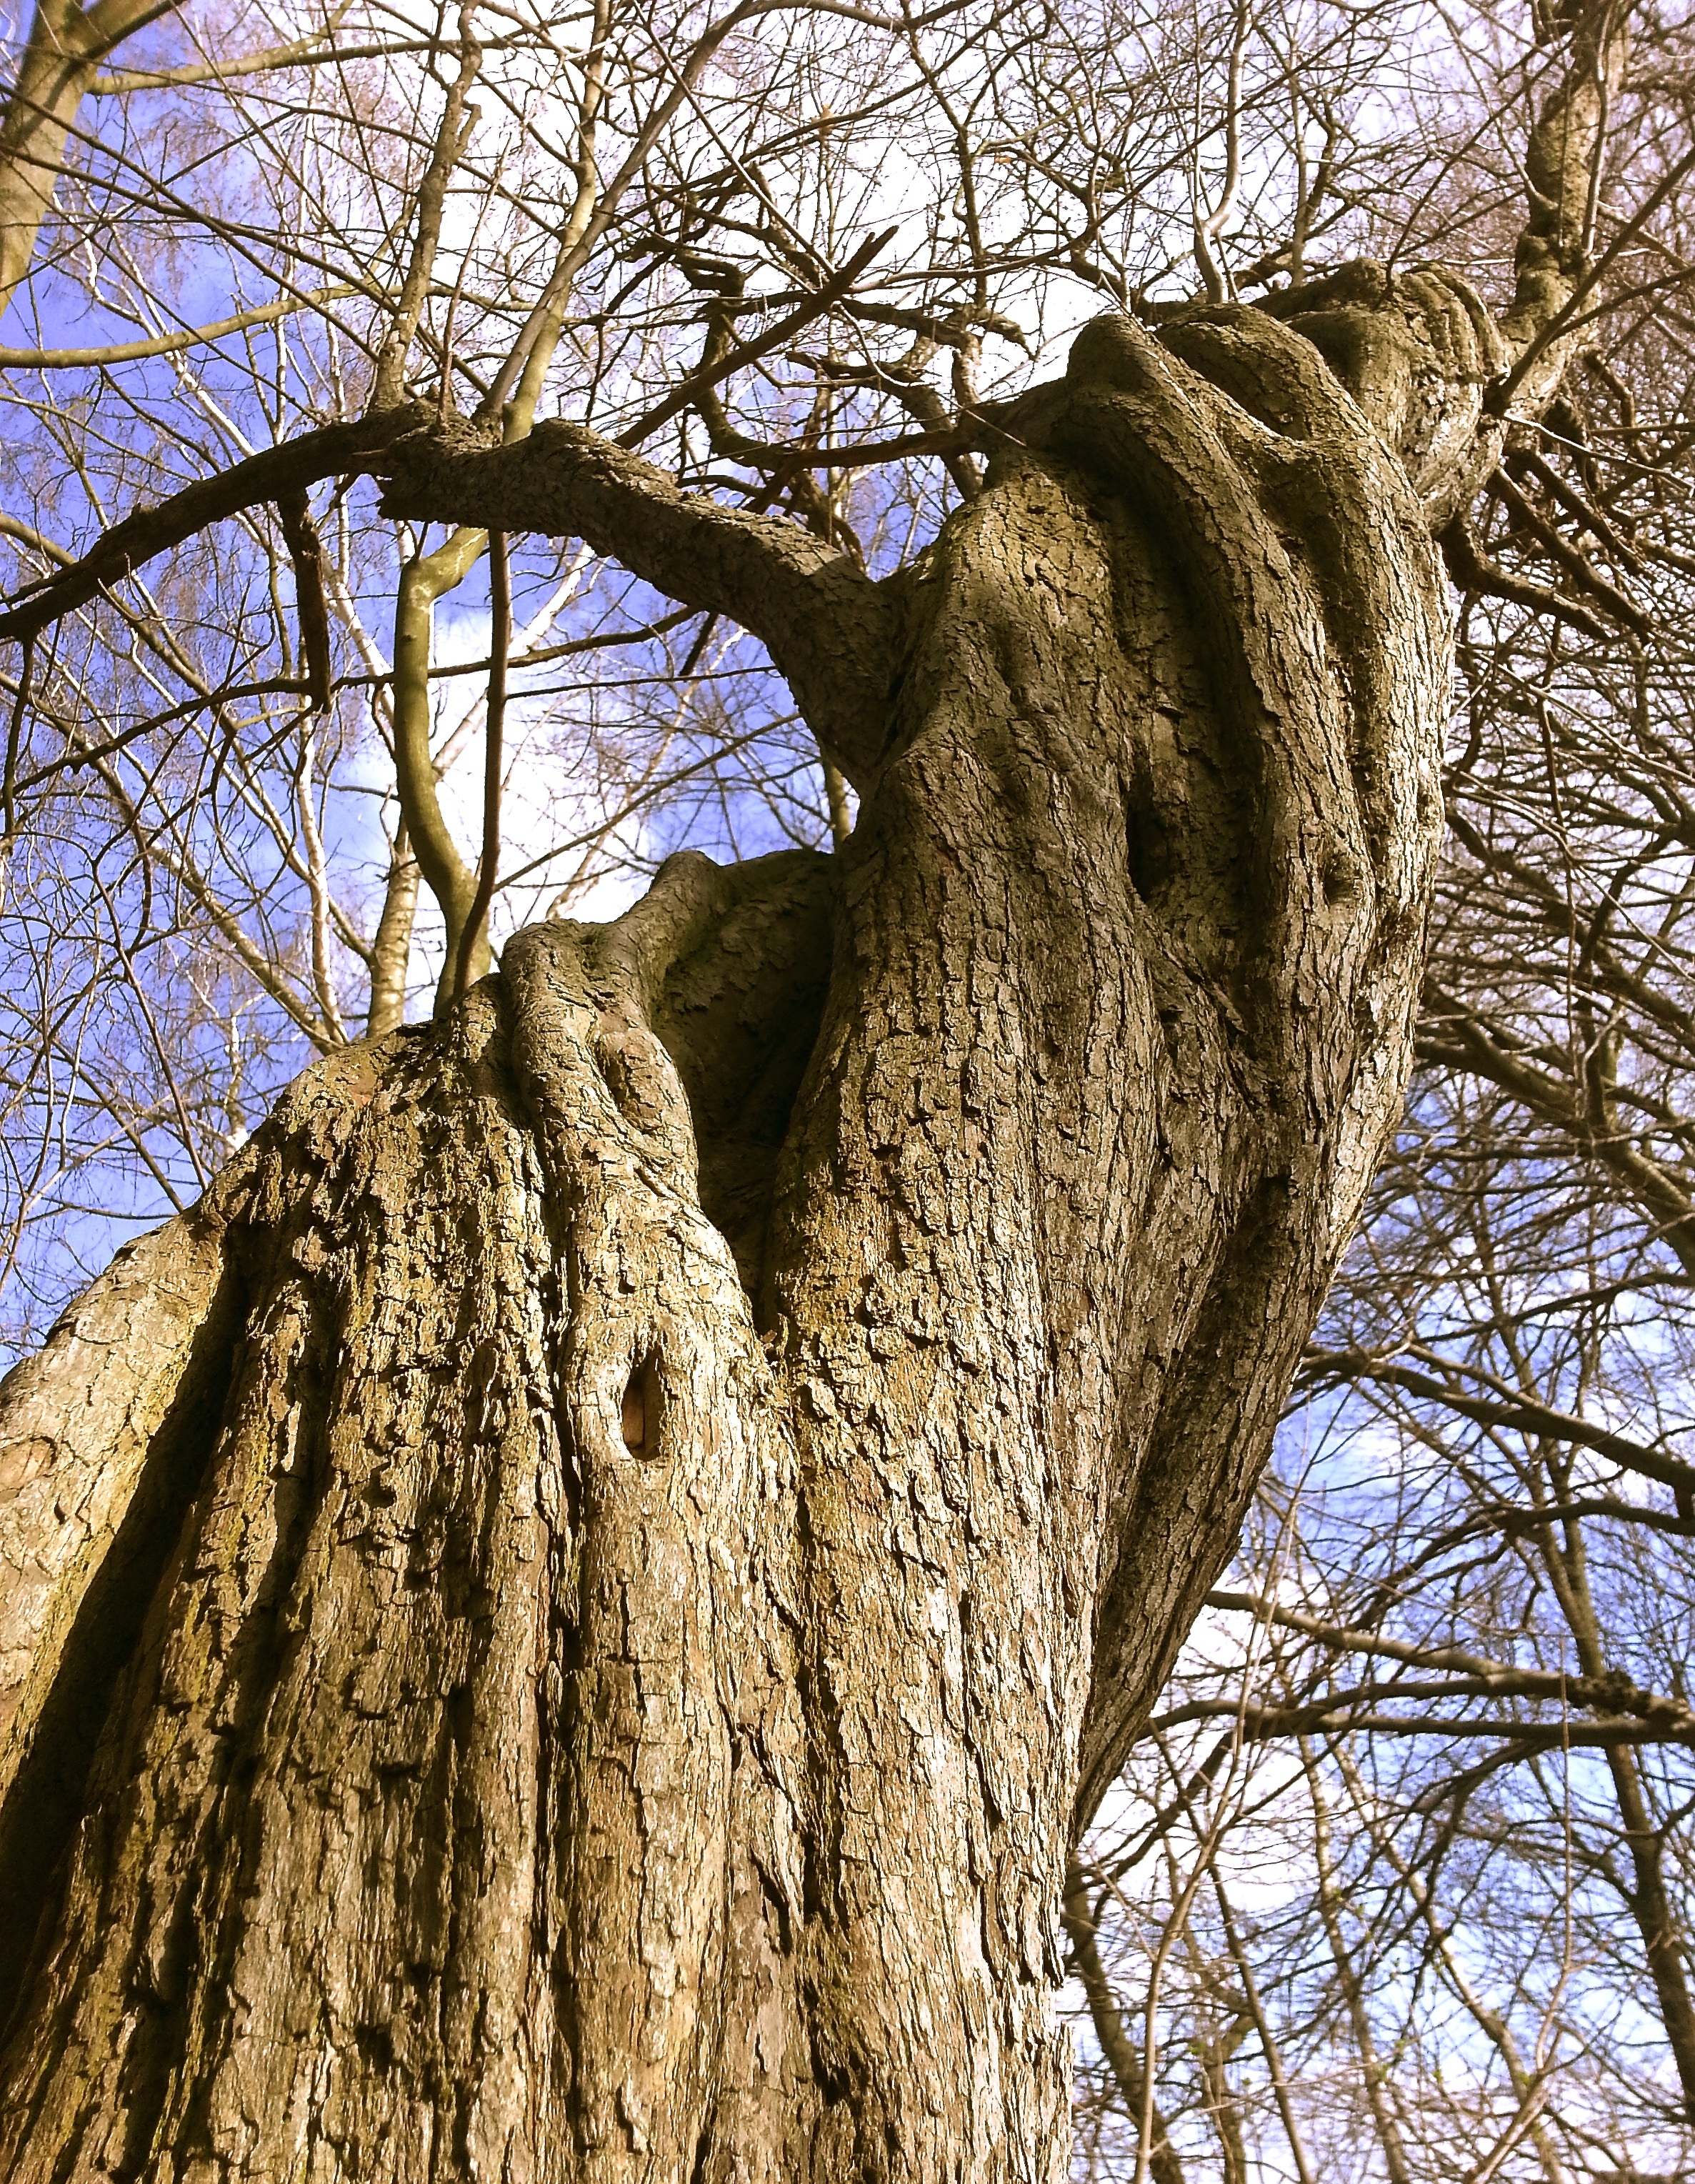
(661, 1499)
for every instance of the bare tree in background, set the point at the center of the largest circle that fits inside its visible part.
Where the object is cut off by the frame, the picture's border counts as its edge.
(565, 1614)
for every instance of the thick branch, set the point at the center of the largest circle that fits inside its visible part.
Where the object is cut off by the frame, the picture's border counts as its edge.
(1418, 350)
(451, 136)
(830, 629)
(306, 552)
(447, 875)
(1562, 174)
(392, 949)
(288, 468)
(471, 946)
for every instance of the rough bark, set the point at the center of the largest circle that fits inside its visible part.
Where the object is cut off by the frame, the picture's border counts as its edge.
(667, 1493)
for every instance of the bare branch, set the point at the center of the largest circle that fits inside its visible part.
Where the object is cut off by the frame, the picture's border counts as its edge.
(290, 467)
(828, 629)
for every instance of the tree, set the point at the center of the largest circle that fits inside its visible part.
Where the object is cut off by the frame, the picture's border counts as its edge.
(567, 1614)
(1426, 1763)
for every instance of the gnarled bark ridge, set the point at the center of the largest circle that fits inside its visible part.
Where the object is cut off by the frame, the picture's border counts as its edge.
(649, 1511)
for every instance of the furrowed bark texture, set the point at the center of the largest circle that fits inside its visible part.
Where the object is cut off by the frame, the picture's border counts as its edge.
(683, 1479)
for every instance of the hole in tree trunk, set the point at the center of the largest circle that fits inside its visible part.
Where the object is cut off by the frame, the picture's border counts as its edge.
(1147, 851)
(376, 2045)
(638, 1404)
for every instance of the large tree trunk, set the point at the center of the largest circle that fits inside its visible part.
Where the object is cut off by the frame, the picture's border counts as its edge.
(564, 1621)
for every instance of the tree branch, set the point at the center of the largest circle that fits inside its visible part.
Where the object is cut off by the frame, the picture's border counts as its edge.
(1561, 165)
(1535, 1420)
(453, 134)
(1472, 571)
(473, 937)
(264, 315)
(314, 44)
(1327, 1717)
(306, 552)
(830, 629)
(1463, 1042)
(66, 46)
(735, 360)
(1118, 2050)
(1575, 564)
(290, 467)
(1612, 1693)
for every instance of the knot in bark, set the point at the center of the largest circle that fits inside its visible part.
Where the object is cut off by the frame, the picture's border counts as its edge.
(1418, 352)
